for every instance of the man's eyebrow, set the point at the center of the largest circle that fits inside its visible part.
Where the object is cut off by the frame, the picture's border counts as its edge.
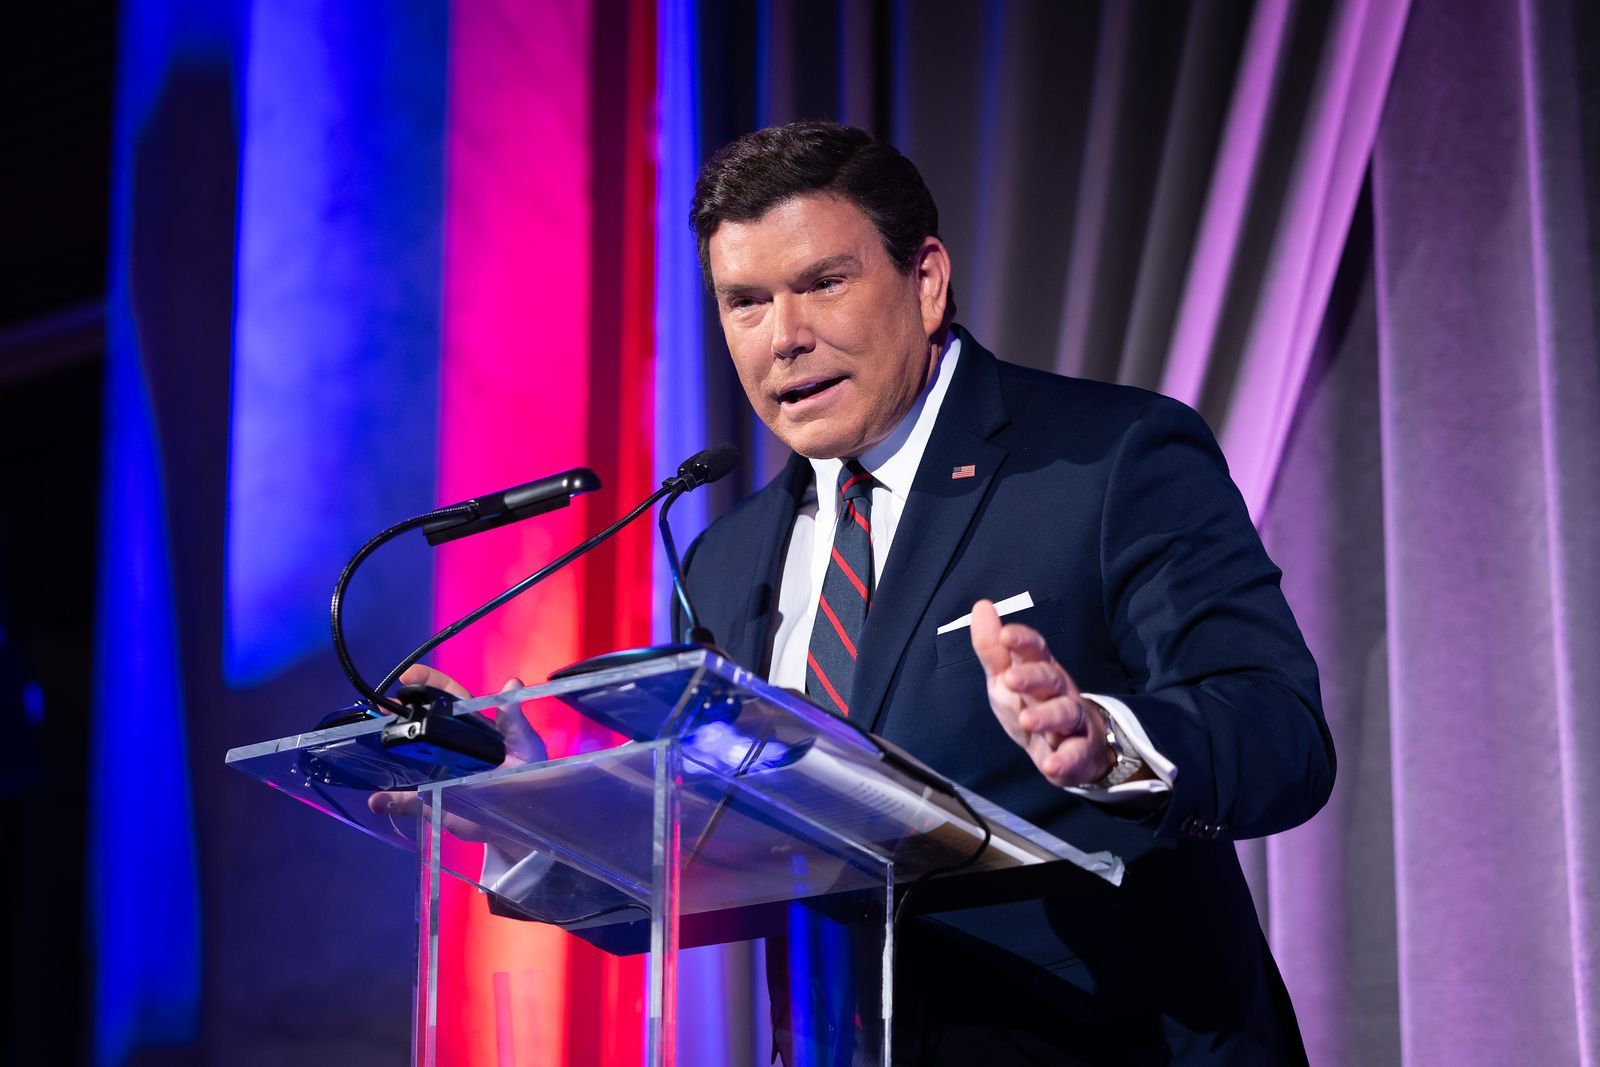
(822, 266)
(828, 264)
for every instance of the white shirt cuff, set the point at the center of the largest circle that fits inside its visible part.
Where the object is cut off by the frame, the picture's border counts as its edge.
(513, 879)
(1133, 735)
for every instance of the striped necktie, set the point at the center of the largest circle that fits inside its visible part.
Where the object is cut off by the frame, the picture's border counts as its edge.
(846, 594)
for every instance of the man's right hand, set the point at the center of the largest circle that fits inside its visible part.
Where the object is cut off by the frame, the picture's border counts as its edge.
(1037, 702)
(523, 746)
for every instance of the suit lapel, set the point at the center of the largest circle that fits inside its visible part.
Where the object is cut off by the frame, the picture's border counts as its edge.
(772, 521)
(938, 512)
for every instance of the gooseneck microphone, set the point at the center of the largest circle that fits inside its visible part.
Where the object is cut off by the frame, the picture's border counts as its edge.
(706, 466)
(485, 513)
(511, 505)
(446, 524)
(700, 469)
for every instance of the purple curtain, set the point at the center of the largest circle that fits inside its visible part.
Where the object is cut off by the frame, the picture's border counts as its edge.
(1435, 514)
(1485, 197)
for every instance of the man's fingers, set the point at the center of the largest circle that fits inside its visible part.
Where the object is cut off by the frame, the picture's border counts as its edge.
(394, 803)
(523, 743)
(992, 653)
(1066, 739)
(1024, 642)
(400, 803)
(422, 674)
(1036, 700)
(1063, 715)
(1039, 680)
(1072, 761)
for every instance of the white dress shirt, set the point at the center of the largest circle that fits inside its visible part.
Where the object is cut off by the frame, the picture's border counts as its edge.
(893, 464)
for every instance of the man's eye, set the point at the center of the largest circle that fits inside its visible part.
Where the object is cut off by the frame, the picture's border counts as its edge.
(825, 284)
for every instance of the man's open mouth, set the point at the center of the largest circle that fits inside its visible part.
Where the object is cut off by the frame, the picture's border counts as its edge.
(799, 393)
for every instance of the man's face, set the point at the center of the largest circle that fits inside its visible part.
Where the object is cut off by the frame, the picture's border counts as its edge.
(832, 343)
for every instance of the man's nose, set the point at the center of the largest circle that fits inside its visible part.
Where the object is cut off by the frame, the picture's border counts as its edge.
(791, 327)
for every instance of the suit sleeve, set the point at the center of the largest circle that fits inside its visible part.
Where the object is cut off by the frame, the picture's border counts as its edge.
(1223, 682)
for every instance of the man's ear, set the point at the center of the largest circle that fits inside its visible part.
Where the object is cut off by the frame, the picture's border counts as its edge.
(932, 274)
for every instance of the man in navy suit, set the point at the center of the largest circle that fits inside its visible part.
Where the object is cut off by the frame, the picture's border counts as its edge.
(1146, 690)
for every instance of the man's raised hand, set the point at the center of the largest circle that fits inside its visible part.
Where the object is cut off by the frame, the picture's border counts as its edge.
(1037, 702)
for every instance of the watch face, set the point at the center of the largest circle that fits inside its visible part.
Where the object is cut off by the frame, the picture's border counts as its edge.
(1127, 766)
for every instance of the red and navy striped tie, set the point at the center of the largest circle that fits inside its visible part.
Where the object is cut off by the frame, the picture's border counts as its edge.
(846, 594)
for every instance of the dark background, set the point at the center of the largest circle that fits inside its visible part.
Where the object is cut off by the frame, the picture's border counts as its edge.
(57, 68)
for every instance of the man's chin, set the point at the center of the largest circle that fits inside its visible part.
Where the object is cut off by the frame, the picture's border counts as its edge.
(817, 442)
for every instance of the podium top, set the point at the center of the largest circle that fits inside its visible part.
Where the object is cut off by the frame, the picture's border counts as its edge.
(775, 798)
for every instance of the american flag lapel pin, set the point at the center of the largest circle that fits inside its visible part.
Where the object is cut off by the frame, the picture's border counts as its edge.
(966, 470)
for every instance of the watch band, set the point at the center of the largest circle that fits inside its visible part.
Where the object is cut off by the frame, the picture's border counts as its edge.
(1128, 763)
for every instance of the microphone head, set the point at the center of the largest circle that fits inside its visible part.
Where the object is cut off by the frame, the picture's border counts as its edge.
(708, 465)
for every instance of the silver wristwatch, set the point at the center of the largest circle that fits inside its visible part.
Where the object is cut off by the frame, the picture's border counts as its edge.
(1128, 763)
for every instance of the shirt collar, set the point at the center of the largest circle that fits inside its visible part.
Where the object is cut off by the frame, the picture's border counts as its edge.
(894, 460)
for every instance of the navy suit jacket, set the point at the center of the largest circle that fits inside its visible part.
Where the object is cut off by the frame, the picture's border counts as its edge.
(1112, 507)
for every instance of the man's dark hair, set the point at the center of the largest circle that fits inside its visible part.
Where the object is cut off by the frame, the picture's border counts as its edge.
(749, 176)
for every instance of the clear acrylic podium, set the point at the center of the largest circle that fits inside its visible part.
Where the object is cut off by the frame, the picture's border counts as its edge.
(737, 811)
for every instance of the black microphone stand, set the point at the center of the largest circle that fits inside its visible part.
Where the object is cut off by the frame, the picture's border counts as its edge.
(425, 722)
(699, 636)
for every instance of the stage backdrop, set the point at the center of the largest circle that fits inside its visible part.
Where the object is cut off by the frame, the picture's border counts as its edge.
(367, 259)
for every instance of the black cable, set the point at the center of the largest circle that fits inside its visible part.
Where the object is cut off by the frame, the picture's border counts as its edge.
(626, 906)
(983, 846)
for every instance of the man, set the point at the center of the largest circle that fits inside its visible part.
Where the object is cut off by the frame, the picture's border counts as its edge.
(1147, 693)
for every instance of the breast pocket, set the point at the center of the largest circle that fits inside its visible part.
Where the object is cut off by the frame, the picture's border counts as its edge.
(955, 646)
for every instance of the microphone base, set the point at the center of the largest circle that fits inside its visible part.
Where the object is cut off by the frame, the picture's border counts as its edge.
(447, 741)
(466, 744)
(629, 657)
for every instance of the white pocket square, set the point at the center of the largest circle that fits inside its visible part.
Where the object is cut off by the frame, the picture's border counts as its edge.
(1004, 607)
